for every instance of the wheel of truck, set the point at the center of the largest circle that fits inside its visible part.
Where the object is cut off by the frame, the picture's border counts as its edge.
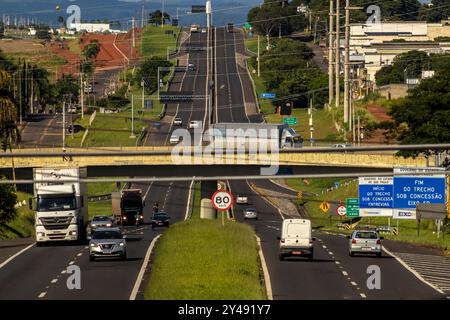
(311, 256)
(281, 257)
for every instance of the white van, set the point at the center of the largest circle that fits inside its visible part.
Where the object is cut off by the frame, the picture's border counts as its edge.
(296, 239)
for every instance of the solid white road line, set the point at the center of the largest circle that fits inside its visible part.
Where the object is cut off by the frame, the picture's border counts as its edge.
(265, 271)
(186, 214)
(15, 256)
(138, 282)
(418, 276)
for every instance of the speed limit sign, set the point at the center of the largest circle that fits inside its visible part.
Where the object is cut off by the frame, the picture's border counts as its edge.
(341, 210)
(222, 200)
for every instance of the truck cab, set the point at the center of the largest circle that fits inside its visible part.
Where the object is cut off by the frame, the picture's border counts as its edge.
(128, 207)
(290, 139)
(61, 207)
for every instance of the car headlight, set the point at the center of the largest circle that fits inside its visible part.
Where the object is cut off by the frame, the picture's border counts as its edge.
(40, 234)
(108, 224)
(94, 245)
(142, 217)
(121, 244)
(124, 218)
(93, 225)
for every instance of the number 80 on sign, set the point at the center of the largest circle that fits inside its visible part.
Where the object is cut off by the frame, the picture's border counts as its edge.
(222, 200)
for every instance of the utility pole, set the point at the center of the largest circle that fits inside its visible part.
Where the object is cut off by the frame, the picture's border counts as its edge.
(143, 92)
(32, 93)
(82, 94)
(64, 126)
(359, 131)
(330, 56)
(259, 58)
(347, 62)
(337, 52)
(142, 23)
(132, 28)
(20, 94)
(132, 117)
(311, 126)
(162, 15)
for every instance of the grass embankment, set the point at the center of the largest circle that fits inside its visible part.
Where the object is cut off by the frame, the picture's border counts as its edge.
(155, 42)
(197, 200)
(23, 224)
(324, 129)
(407, 228)
(100, 207)
(201, 259)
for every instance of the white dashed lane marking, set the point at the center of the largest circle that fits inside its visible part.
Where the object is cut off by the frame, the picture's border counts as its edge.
(345, 273)
(42, 295)
(54, 281)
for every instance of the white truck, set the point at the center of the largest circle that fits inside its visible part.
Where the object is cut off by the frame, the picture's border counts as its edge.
(248, 135)
(61, 206)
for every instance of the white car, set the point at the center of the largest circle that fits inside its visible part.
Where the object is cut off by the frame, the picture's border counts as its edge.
(174, 139)
(365, 241)
(296, 239)
(204, 30)
(178, 122)
(250, 213)
(241, 199)
(194, 124)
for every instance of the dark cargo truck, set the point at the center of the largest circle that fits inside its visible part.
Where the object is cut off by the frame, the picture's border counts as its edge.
(230, 27)
(128, 207)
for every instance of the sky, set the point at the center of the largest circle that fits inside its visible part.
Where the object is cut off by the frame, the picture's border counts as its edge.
(122, 10)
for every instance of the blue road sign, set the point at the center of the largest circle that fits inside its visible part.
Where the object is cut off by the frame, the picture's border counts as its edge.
(268, 95)
(412, 190)
(376, 196)
(337, 184)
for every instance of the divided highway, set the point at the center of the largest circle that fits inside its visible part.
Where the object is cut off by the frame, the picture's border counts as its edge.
(332, 274)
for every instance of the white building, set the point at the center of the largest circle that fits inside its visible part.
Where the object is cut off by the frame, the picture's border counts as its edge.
(91, 27)
(374, 45)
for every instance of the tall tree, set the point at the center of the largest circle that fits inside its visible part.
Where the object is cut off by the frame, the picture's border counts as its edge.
(8, 199)
(155, 17)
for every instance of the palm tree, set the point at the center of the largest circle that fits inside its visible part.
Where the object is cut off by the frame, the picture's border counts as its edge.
(9, 133)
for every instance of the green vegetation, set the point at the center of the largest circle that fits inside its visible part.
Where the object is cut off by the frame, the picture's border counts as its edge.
(22, 225)
(215, 262)
(197, 200)
(99, 208)
(407, 228)
(155, 42)
(314, 185)
(74, 46)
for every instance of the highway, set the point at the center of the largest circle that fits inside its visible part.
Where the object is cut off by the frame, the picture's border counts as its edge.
(333, 274)
(40, 273)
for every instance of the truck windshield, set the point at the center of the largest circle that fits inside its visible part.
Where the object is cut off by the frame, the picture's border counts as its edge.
(56, 203)
(132, 203)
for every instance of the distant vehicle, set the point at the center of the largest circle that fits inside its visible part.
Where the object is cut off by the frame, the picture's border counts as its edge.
(58, 110)
(75, 128)
(89, 89)
(296, 239)
(160, 219)
(191, 67)
(365, 241)
(128, 207)
(342, 145)
(230, 27)
(240, 199)
(107, 242)
(195, 28)
(204, 30)
(178, 122)
(250, 213)
(101, 222)
(174, 139)
(72, 109)
(194, 124)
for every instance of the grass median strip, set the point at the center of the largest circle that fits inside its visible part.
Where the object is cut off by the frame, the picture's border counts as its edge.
(201, 259)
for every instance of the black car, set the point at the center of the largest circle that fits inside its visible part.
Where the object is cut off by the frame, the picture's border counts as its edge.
(160, 219)
(75, 128)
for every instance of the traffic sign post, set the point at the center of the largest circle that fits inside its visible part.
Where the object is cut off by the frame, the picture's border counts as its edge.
(341, 210)
(300, 197)
(222, 201)
(290, 121)
(324, 206)
(268, 95)
(409, 190)
(352, 205)
(376, 197)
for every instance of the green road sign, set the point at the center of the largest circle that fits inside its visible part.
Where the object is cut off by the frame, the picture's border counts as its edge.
(352, 205)
(290, 121)
(247, 25)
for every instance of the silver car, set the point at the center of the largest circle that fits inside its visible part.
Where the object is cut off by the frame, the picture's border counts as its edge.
(107, 242)
(365, 241)
(250, 213)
